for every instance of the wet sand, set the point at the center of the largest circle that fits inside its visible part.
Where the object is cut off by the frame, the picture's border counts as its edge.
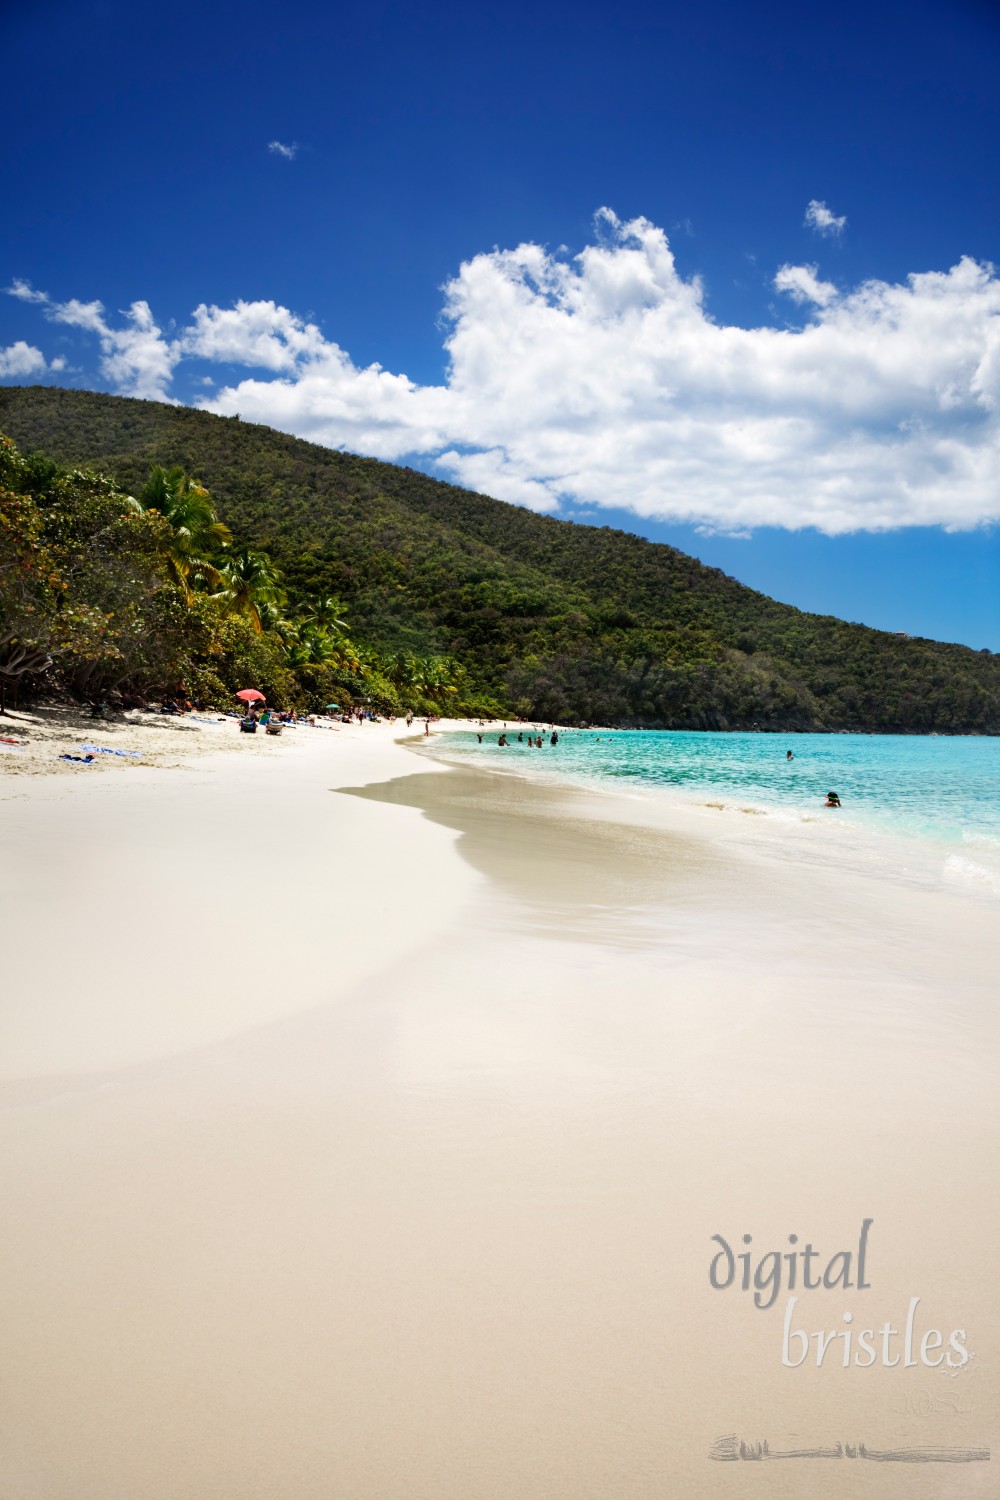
(436, 1221)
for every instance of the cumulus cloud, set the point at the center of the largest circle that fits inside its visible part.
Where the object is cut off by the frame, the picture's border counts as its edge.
(492, 473)
(136, 359)
(602, 380)
(802, 284)
(823, 219)
(22, 359)
(279, 148)
(260, 334)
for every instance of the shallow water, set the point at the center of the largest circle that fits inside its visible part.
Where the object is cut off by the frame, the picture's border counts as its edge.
(941, 794)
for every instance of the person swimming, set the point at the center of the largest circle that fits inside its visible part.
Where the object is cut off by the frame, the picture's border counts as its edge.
(832, 800)
(789, 755)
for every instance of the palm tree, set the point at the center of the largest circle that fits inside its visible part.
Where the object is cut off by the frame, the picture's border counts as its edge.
(249, 582)
(435, 676)
(402, 668)
(325, 612)
(319, 630)
(273, 617)
(196, 536)
(299, 654)
(316, 647)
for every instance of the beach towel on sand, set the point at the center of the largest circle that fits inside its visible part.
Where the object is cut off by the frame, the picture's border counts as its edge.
(81, 760)
(103, 750)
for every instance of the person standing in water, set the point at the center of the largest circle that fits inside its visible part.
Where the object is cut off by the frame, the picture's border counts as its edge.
(789, 755)
(832, 800)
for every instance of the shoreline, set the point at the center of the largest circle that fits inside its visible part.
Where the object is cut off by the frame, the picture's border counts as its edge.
(864, 840)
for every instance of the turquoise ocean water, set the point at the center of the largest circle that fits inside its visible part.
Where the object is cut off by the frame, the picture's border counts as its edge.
(938, 793)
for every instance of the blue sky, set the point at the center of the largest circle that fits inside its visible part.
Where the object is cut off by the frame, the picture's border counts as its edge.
(252, 207)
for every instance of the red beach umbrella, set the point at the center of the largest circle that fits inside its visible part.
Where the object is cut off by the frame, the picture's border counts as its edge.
(251, 695)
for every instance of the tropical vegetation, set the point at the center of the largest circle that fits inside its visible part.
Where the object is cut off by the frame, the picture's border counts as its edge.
(116, 599)
(454, 598)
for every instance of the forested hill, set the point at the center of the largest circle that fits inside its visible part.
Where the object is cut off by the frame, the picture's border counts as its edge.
(554, 619)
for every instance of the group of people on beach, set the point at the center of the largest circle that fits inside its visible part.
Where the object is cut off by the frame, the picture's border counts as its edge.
(269, 719)
(534, 741)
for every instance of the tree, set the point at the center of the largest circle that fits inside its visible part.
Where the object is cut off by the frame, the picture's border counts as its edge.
(32, 585)
(325, 612)
(249, 585)
(190, 549)
(122, 624)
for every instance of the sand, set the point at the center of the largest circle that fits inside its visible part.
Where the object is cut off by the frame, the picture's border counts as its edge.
(372, 1144)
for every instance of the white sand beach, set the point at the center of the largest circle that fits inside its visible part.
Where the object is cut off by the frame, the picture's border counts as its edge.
(371, 1145)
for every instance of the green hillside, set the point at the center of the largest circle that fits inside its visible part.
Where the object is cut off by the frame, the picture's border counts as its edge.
(550, 618)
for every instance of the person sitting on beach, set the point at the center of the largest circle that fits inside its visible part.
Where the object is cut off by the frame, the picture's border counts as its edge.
(832, 800)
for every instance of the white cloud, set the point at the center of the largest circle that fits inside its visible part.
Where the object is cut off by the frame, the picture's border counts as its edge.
(492, 474)
(802, 284)
(260, 334)
(603, 381)
(823, 219)
(22, 359)
(137, 360)
(279, 148)
(24, 291)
